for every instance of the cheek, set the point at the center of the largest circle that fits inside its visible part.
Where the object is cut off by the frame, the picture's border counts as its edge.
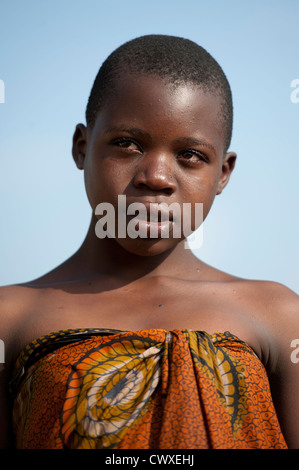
(203, 189)
(204, 192)
(95, 187)
(103, 182)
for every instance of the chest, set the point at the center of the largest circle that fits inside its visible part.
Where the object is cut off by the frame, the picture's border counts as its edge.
(146, 306)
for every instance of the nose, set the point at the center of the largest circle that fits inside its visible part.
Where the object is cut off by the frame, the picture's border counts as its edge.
(155, 172)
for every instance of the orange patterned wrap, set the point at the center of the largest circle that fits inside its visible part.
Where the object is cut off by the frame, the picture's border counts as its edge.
(148, 389)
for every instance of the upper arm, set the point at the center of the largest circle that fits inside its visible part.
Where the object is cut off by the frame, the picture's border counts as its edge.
(285, 392)
(284, 372)
(6, 434)
(8, 321)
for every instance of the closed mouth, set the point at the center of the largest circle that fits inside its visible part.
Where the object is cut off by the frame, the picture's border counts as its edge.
(156, 213)
(152, 220)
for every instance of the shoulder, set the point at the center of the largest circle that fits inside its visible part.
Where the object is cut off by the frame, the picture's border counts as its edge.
(277, 307)
(274, 299)
(282, 309)
(14, 298)
(277, 290)
(13, 304)
(273, 309)
(275, 294)
(274, 303)
(267, 296)
(15, 301)
(281, 317)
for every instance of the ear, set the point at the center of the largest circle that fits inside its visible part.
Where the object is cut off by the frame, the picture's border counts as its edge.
(79, 145)
(228, 164)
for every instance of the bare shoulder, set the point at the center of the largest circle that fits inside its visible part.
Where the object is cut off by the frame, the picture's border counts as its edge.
(13, 298)
(273, 310)
(277, 290)
(267, 297)
(15, 301)
(277, 308)
(274, 299)
(281, 316)
(275, 293)
(275, 304)
(281, 307)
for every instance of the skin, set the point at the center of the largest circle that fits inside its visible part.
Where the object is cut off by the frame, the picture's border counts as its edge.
(154, 143)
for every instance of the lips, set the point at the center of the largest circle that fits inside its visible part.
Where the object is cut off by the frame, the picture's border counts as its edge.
(155, 220)
(156, 212)
(149, 229)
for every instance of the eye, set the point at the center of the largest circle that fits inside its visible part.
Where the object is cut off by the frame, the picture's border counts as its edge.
(127, 143)
(192, 156)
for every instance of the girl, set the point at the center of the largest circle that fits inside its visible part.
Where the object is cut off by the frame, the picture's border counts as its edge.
(133, 342)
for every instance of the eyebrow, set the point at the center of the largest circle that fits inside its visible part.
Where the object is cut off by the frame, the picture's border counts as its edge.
(193, 141)
(130, 130)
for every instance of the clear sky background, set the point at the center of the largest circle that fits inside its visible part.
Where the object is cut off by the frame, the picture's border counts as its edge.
(50, 52)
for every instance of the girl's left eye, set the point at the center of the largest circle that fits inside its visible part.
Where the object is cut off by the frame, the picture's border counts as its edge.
(192, 156)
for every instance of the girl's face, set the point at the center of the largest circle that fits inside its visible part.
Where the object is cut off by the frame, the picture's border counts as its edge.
(153, 143)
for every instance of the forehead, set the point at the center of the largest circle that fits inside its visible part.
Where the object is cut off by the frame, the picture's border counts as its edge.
(152, 102)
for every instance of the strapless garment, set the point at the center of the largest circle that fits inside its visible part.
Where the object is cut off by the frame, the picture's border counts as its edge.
(146, 389)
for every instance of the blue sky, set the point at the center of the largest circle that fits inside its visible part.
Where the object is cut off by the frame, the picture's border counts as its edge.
(50, 52)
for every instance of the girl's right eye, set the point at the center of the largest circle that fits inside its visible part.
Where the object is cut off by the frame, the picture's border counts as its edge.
(126, 143)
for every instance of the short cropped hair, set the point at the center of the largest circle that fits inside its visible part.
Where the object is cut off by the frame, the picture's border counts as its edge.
(177, 60)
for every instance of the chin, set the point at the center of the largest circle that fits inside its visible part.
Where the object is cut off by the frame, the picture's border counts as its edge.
(147, 246)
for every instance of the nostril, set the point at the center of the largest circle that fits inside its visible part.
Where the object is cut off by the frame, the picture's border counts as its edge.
(164, 189)
(155, 180)
(168, 190)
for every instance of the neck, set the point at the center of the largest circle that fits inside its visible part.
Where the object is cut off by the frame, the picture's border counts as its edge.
(106, 257)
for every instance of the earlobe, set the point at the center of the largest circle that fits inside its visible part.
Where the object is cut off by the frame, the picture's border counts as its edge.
(228, 165)
(79, 145)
